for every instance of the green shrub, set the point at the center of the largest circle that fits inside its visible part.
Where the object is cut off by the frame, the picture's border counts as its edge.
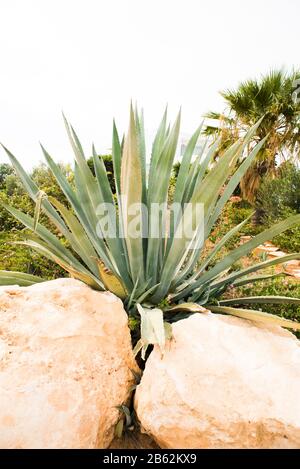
(13, 192)
(20, 200)
(280, 193)
(281, 286)
(13, 256)
(21, 259)
(278, 198)
(108, 163)
(5, 170)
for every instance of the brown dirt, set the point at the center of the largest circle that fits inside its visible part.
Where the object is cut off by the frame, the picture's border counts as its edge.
(133, 440)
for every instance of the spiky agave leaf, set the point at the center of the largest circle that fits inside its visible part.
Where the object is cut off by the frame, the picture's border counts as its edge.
(131, 199)
(258, 316)
(111, 282)
(260, 300)
(153, 331)
(18, 278)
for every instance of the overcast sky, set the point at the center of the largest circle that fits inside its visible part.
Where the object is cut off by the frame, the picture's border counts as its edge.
(90, 57)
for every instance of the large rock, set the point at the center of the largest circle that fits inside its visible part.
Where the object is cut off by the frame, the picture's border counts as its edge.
(223, 382)
(65, 359)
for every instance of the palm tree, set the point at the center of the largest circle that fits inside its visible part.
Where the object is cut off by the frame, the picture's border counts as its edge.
(273, 98)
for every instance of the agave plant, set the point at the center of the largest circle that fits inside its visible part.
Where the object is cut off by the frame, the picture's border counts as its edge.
(157, 276)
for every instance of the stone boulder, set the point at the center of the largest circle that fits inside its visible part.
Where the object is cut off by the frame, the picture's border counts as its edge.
(65, 360)
(223, 382)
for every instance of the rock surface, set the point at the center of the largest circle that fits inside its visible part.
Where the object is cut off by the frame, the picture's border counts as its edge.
(223, 382)
(65, 359)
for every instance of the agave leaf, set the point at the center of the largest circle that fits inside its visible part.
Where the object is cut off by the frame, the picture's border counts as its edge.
(204, 164)
(209, 189)
(168, 330)
(119, 428)
(87, 205)
(104, 188)
(127, 414)
(188, 307)
(111, 282)
(33, 191)
(156, 152)
(158, 196)
(81, 208)
(255, 278)
(139, 121)
(116, 158)
(218, 246)
(138, 347)
(206, 194)
(230, 279)
(37, 211)
(132, 295)
(80, 241)
(131, 191)
(118, 254)
(85, 172)
(260, 300)
(45, 234)
(76, 271)
(185, 166)
(105, 246)
(152, 328)
(196, 173)
(243, 250)
(117, 149)
(233, 183)
(146, 293)
(258, 316)
(18, 278)
(219, 283)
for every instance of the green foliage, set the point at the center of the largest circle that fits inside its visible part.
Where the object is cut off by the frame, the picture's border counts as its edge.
(21, 200)
(280, 193)
(44, 178)
(160, 269)
(289, 241)
(15, 257)
(278, 198)
(5, 170)
(277, 287)
(233, 214)
(108, 163)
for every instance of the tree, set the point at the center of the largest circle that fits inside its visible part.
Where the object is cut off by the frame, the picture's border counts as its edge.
(45, 180)
(273, 98)
(108, 163)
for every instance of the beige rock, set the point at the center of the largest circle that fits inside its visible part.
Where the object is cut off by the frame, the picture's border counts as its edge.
(292, 264)
(223, 382)
(65, 359)
(245, 239)
(265, 250)
(275, 254)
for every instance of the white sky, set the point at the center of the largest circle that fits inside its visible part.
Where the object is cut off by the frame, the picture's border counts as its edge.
(90, 57)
